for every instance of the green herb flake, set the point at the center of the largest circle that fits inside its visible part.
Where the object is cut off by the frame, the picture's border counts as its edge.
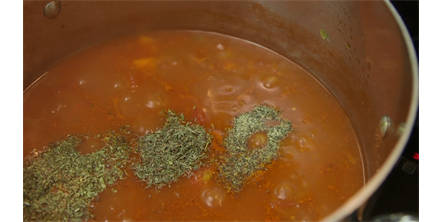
(173, 151)
(324, 35)
(243, 162)
(60, 183)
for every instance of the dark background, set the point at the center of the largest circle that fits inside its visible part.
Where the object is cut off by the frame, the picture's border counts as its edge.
(409, 11)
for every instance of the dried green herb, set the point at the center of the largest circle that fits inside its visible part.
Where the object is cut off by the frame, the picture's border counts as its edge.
(324, 35)
(59, 183)
(242, 161)
(171, 152)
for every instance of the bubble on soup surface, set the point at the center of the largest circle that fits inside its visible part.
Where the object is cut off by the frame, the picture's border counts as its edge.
(213, 197)
(285, 191)
(271, 82)
(257, 140)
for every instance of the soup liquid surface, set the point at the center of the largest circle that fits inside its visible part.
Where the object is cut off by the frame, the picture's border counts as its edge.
(130, 80)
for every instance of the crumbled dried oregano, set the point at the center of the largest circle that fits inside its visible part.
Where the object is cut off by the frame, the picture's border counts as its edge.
(59, 183)
(242, 162)
(171, 152)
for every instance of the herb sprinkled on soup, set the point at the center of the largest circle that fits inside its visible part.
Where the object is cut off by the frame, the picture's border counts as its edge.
(184, 125)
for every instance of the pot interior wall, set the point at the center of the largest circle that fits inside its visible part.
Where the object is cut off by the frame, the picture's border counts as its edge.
(365, 64)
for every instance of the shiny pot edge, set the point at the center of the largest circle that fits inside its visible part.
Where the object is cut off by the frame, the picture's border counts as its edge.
(359, 198)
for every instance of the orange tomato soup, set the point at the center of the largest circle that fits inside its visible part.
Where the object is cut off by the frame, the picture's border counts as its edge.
(130, 80)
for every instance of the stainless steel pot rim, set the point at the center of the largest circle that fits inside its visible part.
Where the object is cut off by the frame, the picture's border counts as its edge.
(363, 194)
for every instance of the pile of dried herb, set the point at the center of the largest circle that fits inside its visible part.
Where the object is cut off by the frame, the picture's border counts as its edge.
(174, 150)
(59, 183)
(243, 162)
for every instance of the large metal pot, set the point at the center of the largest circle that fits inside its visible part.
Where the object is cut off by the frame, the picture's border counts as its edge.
(369, 64)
